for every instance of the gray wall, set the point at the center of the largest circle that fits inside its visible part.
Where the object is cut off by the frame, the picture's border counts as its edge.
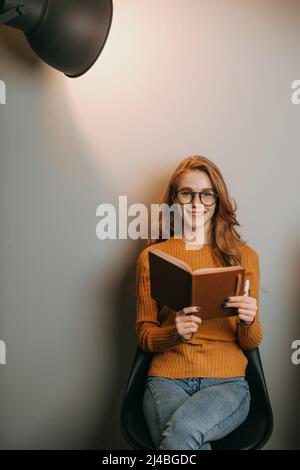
(176, 78)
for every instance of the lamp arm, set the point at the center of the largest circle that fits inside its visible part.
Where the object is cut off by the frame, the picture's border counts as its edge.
(12, 13)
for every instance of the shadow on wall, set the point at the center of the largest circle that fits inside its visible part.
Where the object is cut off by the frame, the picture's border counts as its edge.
(122, 297)
(123, 336)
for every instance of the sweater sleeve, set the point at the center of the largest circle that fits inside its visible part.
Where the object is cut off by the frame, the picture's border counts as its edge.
(249, 337)
(151, 335)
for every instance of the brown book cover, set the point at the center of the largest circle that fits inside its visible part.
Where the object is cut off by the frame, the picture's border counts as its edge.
(174, 284)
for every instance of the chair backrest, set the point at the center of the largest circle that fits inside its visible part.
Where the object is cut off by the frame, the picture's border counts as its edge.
(253, 433)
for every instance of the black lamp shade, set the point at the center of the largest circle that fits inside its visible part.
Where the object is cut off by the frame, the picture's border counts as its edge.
(69, 35)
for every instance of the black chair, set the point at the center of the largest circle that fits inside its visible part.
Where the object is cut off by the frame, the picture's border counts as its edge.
(253, 433)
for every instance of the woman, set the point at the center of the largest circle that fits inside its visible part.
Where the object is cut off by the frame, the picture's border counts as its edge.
(196, 390)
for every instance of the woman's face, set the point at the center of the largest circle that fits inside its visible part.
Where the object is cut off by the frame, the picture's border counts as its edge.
(196, 180)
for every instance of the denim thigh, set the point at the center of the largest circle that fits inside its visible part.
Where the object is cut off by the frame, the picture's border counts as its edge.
(162, 397)
(185, 413)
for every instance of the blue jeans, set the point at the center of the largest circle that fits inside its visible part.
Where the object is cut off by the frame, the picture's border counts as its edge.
(189, 413)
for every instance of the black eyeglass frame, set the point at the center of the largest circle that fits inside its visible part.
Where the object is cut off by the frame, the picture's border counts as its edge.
(193, 193)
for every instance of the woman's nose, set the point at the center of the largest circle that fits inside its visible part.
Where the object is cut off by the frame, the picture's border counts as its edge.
(197, 200)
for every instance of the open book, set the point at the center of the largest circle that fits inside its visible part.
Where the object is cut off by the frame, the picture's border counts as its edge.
(174, 284)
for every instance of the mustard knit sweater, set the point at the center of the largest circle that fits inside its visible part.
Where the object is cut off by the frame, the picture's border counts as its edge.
(216, 349)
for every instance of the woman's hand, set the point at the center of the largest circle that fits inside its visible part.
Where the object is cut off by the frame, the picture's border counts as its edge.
(186, 323)
(247, 307)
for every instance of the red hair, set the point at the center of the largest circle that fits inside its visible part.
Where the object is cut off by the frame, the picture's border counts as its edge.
(226, 241)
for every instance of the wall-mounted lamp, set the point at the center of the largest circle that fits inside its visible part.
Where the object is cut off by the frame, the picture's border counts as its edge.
(69, 35)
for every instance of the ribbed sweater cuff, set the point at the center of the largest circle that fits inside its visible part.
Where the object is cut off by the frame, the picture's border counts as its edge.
(250, 336)
(162, 338)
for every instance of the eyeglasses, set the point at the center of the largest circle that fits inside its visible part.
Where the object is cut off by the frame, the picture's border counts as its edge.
(186, 196)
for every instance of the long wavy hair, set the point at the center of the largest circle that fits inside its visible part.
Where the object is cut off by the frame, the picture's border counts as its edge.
(226, 241)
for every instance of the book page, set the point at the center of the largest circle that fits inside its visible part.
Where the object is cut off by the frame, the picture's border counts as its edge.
(178, 262)
(216, 270)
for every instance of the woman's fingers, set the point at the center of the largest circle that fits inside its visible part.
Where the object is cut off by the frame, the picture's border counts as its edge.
(186, 316)
(241, 298)
(189, 322)
(246, 317)
(190, 329)
(243, 301)
(188, 310)
(186, 322)
(245, 305)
